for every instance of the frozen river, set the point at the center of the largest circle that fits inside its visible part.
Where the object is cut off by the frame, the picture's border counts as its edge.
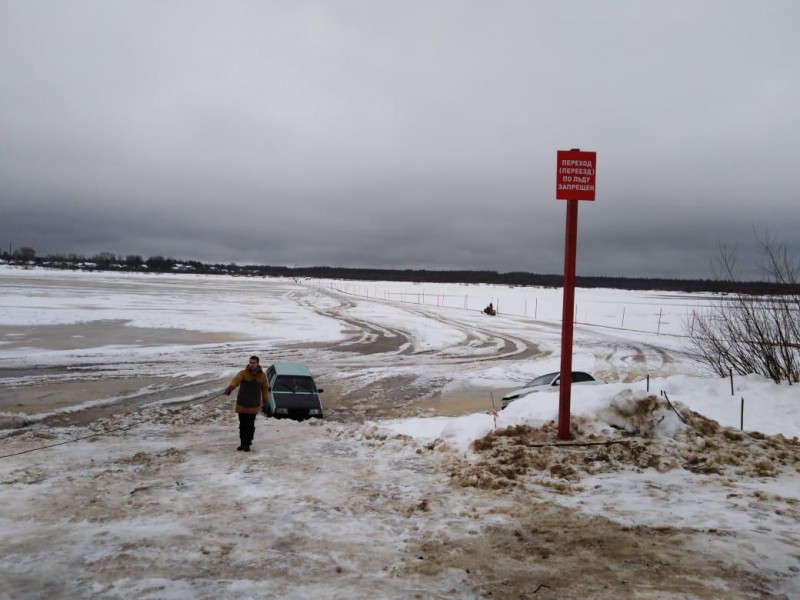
(92, 339)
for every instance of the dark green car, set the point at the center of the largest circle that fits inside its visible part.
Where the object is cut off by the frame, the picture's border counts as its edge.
(292, 393)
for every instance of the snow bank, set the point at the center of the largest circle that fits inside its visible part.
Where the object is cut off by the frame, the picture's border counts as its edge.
(769, 408)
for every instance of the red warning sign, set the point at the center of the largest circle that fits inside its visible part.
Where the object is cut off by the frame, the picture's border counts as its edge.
(575, 175)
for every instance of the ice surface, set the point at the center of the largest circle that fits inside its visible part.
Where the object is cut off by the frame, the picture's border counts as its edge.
(161, 506)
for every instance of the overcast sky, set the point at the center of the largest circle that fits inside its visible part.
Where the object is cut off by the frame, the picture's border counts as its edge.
(398, 133)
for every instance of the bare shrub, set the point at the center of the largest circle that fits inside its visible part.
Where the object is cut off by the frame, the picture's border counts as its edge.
(750, 333)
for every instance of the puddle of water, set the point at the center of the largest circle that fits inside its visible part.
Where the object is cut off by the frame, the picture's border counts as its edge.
(81, 336)
(462, 402)
(51, 396)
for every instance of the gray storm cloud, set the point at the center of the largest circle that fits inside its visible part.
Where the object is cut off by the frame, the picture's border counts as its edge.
(409, 135)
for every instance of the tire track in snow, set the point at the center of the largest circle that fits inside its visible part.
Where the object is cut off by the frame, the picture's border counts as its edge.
(371, 338)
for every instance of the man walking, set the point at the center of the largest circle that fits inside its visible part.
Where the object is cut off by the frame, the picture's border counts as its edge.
(253, 390)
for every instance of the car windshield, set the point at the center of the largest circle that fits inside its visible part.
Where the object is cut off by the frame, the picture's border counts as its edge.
(294, 383)
(541, 380)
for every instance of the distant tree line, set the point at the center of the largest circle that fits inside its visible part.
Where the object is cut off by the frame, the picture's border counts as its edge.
(107, 261)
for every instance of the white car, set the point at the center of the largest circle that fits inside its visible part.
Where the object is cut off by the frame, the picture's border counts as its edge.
(547, 383)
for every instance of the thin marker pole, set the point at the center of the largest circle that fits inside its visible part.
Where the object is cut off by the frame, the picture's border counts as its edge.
(741, 416)
(731, 372)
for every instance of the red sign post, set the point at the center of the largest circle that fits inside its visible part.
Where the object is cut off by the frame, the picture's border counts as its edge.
(575, 180)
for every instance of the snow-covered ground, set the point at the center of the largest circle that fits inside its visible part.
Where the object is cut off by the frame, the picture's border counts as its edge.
(388, 498)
